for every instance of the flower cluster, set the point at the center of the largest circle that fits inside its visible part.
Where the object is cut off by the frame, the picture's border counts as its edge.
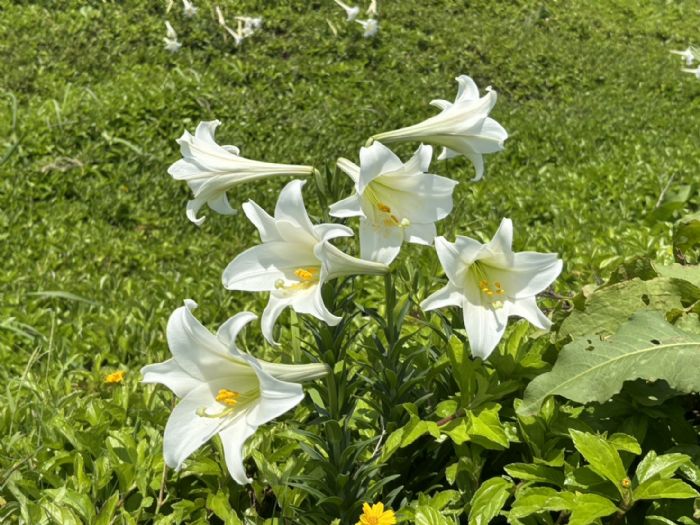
(229, 393)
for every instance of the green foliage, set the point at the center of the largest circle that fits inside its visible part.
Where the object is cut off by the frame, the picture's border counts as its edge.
(592, 369)
(97, 253)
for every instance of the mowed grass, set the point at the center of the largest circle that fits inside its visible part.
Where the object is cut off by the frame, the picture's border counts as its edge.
(97, 252)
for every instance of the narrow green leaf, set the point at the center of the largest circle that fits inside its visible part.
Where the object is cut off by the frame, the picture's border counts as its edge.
(590, 369)
(488, 500)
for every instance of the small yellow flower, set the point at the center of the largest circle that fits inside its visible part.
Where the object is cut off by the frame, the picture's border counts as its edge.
(376, 515)
(115, 377)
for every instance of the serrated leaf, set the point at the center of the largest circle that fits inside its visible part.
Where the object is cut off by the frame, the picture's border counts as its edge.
(663, 467)
(590, 369)
(664, 489)
(485, 428)
(488, 500)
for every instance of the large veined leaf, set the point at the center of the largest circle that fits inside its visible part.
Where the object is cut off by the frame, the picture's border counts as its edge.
(608, 307)
(590, 369)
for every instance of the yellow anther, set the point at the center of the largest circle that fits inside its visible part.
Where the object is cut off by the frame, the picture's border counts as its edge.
(497, 284)
(384, 208)
(227, 397)
(115, 377)
(306, 274)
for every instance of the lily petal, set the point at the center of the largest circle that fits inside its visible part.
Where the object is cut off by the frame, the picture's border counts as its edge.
(483, 329)
(265, 224)
(374, 161)
(379, 242)
(348, 207)
(290, 206)
(275, 307)
(228, 332)
(170, 374)
(185, 431)
(449, 295)
(527, 309)
(233, 438)
(336, 263)
(259, 268)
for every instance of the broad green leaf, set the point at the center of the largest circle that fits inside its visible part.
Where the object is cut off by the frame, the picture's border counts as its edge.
(590, 369)
(609, 307)
(426, 515)
(218, 503)
(488, 500)
(625, 442)
(485, 428)
(664, 488)
(602, 456)
(534, 472)
(586, 508)
(538, 499)
(686, 272)
(663, 467)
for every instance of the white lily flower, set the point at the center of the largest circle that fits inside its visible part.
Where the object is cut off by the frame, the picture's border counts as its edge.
(370, 26)
(350, 11)
(189, 9)
(170, 38)
(397, 202)
(490, 283)
(211, 170)
(689, 54)
(250, 24)
(695, 71)
(372, 9)
(223, 390)
(463, 127)
(294, 260)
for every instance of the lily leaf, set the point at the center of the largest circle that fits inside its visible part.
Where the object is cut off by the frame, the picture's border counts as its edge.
(591, 369)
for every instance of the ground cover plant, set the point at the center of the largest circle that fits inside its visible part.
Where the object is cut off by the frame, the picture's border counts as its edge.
(595, 421)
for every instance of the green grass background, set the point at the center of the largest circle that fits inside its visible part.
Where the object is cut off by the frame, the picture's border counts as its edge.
(599, 115)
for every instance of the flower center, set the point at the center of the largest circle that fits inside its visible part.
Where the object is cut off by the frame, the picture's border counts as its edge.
(227, 397)
(231, 401)
(308, 277)
(389, 218)
(490, 290)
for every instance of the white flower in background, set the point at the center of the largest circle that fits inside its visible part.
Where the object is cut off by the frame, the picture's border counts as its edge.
(190, 10)
(370, 26)
(372, 9)
(170, 39)
(689, 55)
(237, 35)
(294, 260)
(351, 12)
(490, 282)
(211, 170)
(223, 390)
(463, 127)
(695, 71)
(248, 25)
(397, 202)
